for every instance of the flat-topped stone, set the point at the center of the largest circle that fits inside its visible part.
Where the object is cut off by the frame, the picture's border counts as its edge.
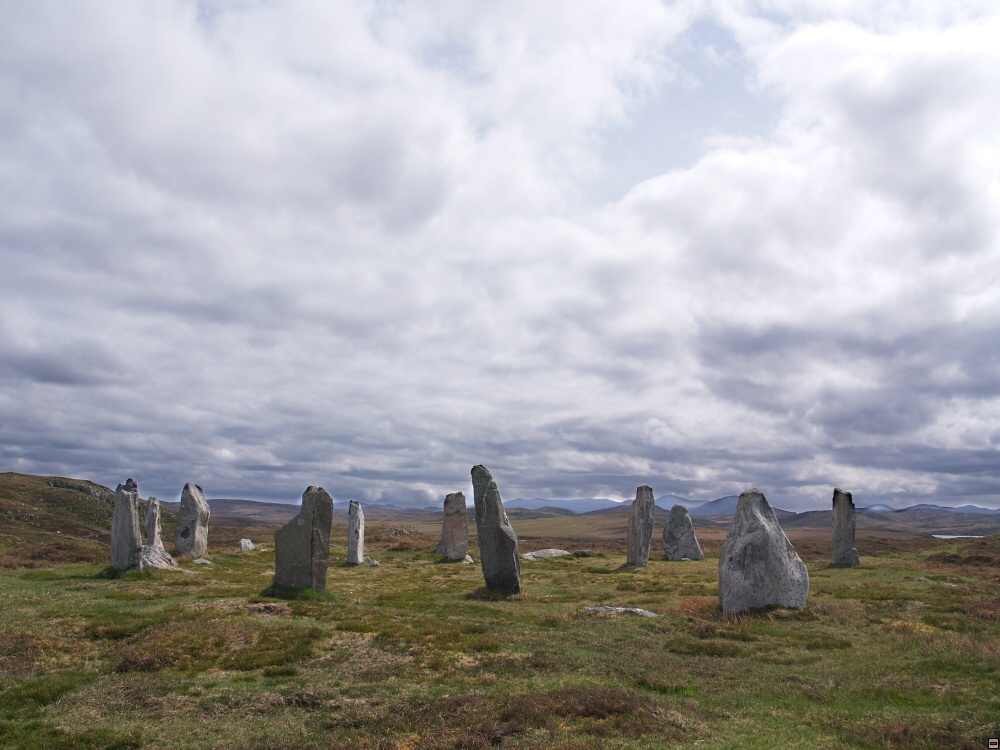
(497, 540)
(758, 566)
(355, 534)
(642, 517)
(679, 540)
(302, 546)
(191, 537)
(842, 549)
(126, 541)
(454, 544)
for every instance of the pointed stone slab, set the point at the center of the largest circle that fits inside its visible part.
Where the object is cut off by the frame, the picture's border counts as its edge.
(191, 537)
(497, 540)
(641, 520)
(679, 540)
(454, 544)
(355, 534)
(152, 524)
(758, 566)
(842, 549)
(302, 546)
(126, 541)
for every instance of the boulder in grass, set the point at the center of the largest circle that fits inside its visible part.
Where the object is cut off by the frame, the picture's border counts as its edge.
(758, 566)
(246, 545)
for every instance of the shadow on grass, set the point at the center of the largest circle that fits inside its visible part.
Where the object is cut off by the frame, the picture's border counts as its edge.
(111, 573)
(274, 591)
(483, 594)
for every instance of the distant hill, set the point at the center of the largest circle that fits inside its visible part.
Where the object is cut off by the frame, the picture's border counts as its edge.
(724, 506)
(577, 505)
(531, 513)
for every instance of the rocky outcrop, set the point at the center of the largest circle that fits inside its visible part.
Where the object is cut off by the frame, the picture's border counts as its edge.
(152, 523)
(454, 544)
(497, 540)
(355, 534)
(679, 541)
(758, 566)
(126, 542)
(640, 526)
(302, 546)
(192, 522)
(842, 549)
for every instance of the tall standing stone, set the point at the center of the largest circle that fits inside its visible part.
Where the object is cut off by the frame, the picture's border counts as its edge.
(679, 541)
(152, 524)
(355, 534)
(842, 549)
(302, 546)
(126, 541)
(192, 522)
(758, 566)
(497, 540)
(454, 544)
(641, 520)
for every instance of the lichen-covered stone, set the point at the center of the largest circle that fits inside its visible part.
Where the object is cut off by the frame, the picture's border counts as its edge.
(191, 537)
(842, 549)
(246, 545)
(152, 523)
(302, 546)
(679, 540)
(497, 540)
(126, 541)
(642, 518)
(758, 566)
(454, 544)
(355, 534)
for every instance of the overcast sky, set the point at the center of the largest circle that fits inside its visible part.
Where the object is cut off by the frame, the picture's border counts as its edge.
(366, 245)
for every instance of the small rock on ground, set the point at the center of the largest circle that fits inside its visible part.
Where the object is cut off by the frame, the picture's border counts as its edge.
(622, 610)
(543, 554)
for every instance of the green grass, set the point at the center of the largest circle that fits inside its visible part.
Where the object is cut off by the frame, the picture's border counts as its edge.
(415, 654)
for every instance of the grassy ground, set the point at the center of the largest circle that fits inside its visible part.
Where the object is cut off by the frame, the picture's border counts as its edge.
(901, 653)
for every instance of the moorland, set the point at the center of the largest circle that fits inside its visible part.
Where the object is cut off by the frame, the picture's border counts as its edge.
(903, 652)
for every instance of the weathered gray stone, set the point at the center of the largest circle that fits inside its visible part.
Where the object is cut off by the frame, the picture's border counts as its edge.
(153, 557)
(679, 541)
(126, 541)
(621, 611)
(153, 524)
(641, 519)
(842, 549)
(758, 566)
(454, 543)
(355, 534)
(192, 522)
(246, 545)
(544, 554)
(302, 546)
(497, 540)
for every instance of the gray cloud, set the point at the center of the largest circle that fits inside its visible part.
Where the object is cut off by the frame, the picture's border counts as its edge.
(261, 247)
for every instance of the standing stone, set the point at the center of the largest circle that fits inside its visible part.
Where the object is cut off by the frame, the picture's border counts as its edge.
(153, 523)
(454, 544)
(497, 540)
(758, 566)
(842, 549)
(355, 534)
(679, 541)
(126, 542)
(302, 546)
(640, 526)
(246, 545)
(192, 522)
